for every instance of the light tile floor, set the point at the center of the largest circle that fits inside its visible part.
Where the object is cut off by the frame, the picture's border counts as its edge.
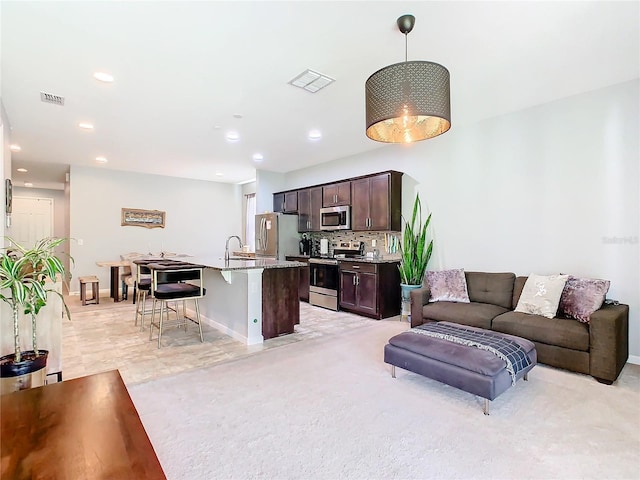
(103, 337)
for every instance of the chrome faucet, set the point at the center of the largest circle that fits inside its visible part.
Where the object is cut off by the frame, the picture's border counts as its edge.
(226, 246)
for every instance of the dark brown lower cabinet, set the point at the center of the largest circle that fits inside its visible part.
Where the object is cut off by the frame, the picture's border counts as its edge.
(304, 277)
(370, 289)
(280, 304)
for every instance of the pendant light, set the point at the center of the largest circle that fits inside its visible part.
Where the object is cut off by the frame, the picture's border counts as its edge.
(408, 101)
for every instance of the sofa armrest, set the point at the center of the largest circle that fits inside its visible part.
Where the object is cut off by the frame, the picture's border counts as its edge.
(608, 342)
(419, 298)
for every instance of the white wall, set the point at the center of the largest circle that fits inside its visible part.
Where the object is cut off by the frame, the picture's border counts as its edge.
(200, 215)
(266, 184)
(5, 163)
(548, 189)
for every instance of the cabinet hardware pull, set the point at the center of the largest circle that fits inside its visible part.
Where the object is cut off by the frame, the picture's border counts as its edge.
(354, 279)
(356, 266)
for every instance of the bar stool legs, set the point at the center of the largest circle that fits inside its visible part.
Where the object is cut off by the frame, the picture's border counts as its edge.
(181, 320)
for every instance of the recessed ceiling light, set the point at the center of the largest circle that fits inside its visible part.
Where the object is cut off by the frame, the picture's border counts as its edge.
(22, 170)
(218, 174)
(103, 77)
(28, 184)
(258, 157)
(232, 136)
(15, 148)
(237, 115)
(101, 159)
(86, 126)
(315, 135)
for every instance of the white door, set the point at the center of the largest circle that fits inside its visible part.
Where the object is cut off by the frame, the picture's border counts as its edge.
(31, 220)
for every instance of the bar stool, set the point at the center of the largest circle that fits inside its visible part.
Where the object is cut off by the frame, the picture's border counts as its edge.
(141, 288)
(170, 282)
(142, 285)
(95, 289)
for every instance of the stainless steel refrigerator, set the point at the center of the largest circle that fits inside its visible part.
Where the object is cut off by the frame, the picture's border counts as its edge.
(277, 235)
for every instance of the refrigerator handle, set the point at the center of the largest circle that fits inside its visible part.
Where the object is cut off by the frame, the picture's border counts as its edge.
(264, 234)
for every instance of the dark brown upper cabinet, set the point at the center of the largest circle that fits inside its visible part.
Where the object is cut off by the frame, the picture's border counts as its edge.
(285, 202)
(376, 202)
(336, 194)
(309, 204)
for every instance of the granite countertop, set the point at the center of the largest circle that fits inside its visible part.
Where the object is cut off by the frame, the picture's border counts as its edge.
(218, 263)
(381, 259)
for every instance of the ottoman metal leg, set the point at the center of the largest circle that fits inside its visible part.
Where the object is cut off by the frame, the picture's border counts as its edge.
(393, 371)
(525, 377)
(486, 406)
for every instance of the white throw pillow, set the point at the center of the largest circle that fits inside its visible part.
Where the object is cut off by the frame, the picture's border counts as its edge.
(541, 294)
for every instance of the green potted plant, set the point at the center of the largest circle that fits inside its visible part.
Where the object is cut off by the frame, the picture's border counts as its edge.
(415, 253)
(24, 274)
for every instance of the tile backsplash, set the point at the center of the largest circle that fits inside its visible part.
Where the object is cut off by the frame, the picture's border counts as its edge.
(384, 241)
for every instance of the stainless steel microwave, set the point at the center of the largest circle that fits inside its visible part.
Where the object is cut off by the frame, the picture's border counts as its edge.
(335, 218)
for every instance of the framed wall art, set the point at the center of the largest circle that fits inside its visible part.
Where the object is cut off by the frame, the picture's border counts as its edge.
(142, 218)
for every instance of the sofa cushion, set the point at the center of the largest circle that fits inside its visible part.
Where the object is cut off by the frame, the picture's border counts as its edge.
(493, 288)
(562, 332)
(472, 314)
(518, 285)
(541, 295)
(583, 296)
(447, 285)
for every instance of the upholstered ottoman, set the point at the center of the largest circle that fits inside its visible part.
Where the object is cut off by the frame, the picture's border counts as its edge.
(460, 356)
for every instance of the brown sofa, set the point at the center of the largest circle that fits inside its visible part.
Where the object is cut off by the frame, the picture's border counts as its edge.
(599, 348)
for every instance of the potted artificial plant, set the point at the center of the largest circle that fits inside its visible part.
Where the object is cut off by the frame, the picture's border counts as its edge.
(23, 286)
(415, 253)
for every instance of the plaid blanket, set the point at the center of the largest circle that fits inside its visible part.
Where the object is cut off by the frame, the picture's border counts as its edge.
(513, 354)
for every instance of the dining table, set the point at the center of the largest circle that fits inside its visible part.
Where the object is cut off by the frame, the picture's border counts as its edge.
(114, 266)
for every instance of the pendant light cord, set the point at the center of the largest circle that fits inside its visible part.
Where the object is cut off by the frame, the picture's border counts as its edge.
(406, 46)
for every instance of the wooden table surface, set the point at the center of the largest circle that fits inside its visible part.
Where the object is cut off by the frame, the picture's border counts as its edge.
(86, 428)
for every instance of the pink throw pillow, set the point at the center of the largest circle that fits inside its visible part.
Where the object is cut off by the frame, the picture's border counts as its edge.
(583, 296)
(447, 286)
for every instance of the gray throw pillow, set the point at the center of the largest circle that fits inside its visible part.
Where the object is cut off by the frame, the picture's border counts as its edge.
(583, 296)
(447, 285)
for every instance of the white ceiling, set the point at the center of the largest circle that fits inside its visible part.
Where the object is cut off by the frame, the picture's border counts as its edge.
(182, 69)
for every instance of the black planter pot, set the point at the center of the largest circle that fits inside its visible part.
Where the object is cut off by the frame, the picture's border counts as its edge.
(28, 373)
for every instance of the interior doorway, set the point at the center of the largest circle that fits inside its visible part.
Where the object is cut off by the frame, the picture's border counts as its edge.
(32, 219)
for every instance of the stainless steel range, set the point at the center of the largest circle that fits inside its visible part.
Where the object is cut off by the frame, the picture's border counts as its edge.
(324, 275)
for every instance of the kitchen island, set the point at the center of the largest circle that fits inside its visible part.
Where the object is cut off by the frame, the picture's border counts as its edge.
(251, 300)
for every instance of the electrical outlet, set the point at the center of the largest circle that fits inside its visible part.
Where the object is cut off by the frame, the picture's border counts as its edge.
(374, 242)
(80, 242)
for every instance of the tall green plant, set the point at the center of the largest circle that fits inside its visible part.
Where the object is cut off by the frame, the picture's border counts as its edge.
(415, 250)
(24, 273)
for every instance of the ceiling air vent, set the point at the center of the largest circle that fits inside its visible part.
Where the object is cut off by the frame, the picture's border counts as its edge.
(51, 98)
(311, 81)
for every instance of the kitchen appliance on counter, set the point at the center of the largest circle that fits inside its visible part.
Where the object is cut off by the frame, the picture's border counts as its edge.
(305, 245)
(324, 273)
(324, 247)
(276, 235)
(335, 218)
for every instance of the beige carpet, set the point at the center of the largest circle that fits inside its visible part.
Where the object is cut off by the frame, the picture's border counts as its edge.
(328, 408)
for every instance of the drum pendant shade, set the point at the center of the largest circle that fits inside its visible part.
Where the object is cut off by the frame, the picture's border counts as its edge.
(408, 101)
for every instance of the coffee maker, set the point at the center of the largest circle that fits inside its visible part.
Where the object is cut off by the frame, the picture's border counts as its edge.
(305, 245)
